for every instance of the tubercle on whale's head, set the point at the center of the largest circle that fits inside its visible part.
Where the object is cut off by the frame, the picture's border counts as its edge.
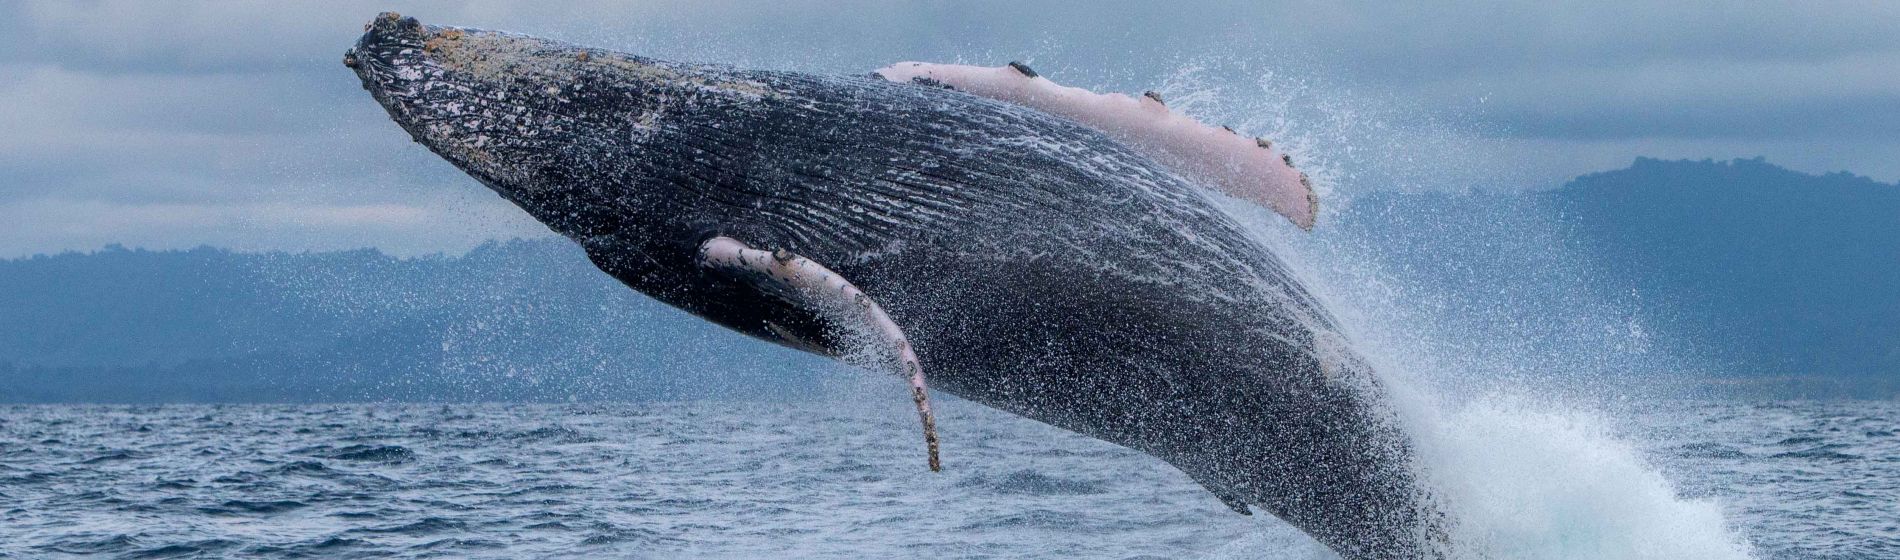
(524, 115)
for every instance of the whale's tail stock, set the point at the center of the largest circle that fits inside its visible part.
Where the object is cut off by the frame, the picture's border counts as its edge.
(1354, 480)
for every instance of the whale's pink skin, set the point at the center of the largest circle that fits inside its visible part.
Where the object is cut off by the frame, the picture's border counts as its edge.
(1245, 168)
(830, 290)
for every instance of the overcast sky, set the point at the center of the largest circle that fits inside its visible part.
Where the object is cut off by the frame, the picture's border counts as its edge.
(174, 124)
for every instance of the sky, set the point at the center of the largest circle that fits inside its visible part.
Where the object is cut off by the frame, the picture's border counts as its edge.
(234, 124)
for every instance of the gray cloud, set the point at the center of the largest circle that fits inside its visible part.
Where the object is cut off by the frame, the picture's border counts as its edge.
(233, 123)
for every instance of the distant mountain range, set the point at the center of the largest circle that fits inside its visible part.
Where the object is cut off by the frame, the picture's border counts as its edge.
(1764, 272)
(1782, 273)
(1751, 272)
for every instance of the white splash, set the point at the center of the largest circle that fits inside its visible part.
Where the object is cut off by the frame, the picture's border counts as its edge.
(1530, 479)
(1524, 472)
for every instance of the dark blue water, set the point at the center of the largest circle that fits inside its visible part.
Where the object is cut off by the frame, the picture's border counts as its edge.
(818, 479)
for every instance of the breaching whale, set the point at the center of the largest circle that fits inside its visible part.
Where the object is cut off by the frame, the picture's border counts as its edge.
(1052, 253)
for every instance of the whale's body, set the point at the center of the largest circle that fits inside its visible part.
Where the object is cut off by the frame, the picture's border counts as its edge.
(1036, 265)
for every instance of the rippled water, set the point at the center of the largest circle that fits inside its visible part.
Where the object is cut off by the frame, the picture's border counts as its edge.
(744, 480)
(1803, 479)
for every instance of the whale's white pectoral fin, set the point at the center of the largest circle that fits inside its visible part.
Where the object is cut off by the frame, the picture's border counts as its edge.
(830, 294)
(1246, 168)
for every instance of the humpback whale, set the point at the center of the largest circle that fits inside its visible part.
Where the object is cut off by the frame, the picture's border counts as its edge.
(1046, 251)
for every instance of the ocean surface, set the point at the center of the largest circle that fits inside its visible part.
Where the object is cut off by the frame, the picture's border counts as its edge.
(831, 478)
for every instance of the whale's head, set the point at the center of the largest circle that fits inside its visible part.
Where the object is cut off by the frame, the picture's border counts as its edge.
(534, 119)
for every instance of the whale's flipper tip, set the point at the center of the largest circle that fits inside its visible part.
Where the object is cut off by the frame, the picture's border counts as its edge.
(830, 295)
(1235, 504)
(1226, 497)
